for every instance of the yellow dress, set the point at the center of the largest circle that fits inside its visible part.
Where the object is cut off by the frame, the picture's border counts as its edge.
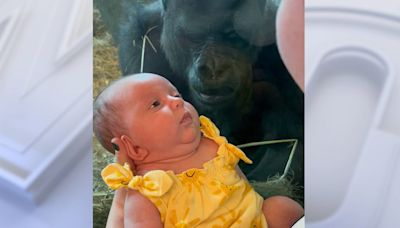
(213, 196)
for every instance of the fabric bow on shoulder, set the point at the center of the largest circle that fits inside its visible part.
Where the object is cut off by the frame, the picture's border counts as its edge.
(211, 131)
(154, 183)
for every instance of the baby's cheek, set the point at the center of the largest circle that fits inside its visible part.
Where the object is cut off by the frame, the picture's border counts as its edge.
(192, 110)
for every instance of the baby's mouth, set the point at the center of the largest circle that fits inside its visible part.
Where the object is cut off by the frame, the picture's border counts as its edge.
(186, 118)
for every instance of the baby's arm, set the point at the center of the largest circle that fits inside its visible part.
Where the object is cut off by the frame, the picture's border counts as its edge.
(140, 212)
(281, 211)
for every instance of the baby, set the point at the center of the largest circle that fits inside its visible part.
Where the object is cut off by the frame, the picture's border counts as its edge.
(179, 171)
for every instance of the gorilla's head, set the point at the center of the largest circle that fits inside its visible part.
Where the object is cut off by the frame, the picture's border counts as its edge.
(214, 44)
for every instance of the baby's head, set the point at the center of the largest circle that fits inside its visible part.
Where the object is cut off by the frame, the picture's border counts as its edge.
(145, 116)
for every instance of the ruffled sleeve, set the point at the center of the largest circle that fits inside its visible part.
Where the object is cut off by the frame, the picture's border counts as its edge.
(154, 183)
(231, 152)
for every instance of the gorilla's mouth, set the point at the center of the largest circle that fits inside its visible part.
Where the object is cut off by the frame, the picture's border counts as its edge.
(215, 95)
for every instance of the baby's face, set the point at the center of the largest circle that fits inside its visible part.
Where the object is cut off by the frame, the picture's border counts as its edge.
(157, 117)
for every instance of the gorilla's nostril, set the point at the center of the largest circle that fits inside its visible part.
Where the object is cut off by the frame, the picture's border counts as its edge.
(204, 71)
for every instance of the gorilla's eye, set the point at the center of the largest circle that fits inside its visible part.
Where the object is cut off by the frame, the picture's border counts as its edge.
(230, 34)
(189, 36)
(155, 104)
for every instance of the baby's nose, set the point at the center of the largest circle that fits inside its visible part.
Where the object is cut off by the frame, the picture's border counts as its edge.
(177, 102)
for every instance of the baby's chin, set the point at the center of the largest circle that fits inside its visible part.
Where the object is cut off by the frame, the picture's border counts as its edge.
(190, 139)
(191, 136)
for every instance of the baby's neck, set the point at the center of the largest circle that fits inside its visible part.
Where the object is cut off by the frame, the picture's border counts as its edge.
(166, 164)
(193, 159)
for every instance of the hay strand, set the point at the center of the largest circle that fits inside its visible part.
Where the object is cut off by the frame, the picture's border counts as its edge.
(269, 142)
(144, 39)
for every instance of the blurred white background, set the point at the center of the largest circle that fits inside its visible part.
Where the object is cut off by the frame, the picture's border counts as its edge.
(352, 109)
(45, 117)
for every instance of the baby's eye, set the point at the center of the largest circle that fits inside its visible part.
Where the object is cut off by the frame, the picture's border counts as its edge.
(155, 104)
(178, 95)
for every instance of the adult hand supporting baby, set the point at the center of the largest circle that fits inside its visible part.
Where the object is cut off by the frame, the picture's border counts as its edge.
(116, 215)
(290, 37)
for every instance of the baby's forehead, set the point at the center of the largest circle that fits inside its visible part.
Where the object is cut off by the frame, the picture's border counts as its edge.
(140, 88)
(144, 86)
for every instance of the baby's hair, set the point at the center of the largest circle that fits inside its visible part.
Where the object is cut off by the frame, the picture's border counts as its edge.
(106, 117)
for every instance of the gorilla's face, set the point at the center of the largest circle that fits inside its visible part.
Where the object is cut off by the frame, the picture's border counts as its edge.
(220, 77)
(201, 44)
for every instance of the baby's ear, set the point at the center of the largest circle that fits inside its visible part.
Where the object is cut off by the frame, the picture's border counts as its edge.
(120, 150)
(133, 151)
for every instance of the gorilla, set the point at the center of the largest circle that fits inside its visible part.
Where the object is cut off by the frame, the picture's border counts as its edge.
(222, 57)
